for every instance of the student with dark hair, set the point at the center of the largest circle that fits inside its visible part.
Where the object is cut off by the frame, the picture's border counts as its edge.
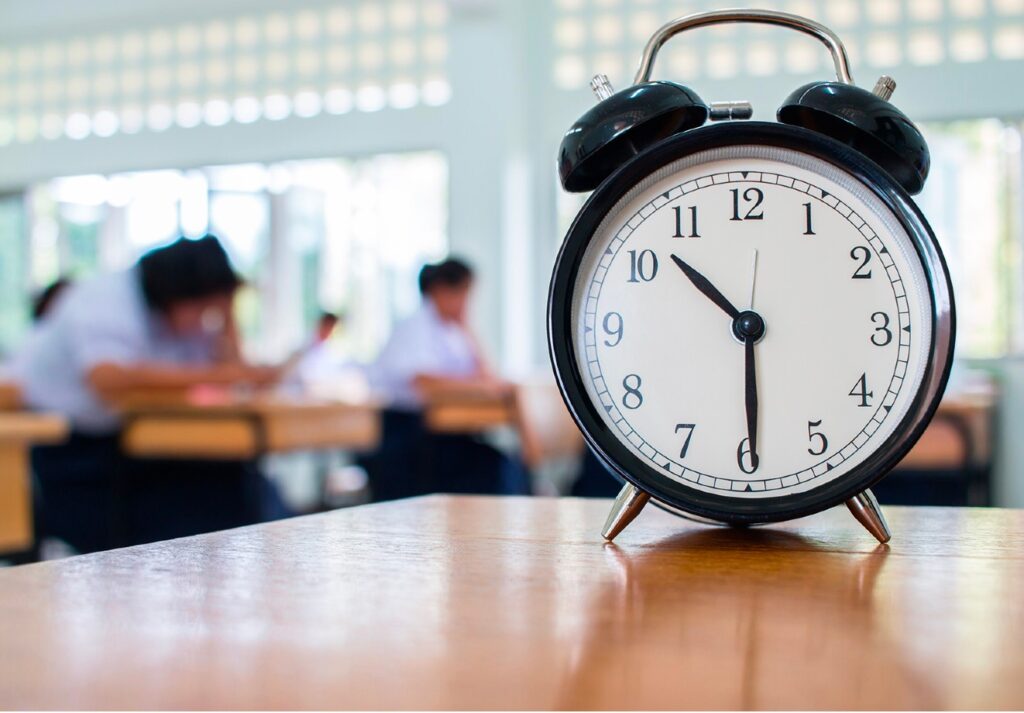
(434, 355)
(451, 273)
(164, 323)
(325, 326)
(317, 362)
(434, 348)
(47, 297)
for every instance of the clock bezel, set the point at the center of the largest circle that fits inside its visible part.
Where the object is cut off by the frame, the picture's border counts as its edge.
(624, 463)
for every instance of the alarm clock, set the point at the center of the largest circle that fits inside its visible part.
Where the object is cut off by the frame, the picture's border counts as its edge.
(748, 321)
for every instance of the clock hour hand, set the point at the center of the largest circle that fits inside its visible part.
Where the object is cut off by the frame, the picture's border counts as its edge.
(704, 285)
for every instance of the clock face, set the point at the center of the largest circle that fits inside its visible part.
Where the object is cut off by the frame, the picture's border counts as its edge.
(751, 322)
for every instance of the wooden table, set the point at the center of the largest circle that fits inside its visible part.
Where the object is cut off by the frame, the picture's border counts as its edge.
(216, 425)
(18, 432)
(447, 602)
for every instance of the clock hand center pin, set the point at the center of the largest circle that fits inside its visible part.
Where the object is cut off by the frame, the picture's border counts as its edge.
(748, 324)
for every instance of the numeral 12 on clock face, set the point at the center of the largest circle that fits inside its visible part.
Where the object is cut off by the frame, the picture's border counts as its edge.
(751, 325)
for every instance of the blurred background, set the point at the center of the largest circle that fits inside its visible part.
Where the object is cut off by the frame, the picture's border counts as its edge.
(336, 147)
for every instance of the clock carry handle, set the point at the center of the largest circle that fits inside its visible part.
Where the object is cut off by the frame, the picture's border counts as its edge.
(863, 120)
(763, 17)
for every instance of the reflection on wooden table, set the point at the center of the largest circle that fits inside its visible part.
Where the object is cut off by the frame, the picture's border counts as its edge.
(739, 619)
(219, 423)
(515, 603)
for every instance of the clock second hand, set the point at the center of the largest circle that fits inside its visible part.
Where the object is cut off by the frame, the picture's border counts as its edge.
(753, 280)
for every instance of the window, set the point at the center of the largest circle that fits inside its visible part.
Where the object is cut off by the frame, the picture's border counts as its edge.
(340, 235)
(13, 259)
(590, 36)
(364, 55)
(973, 201)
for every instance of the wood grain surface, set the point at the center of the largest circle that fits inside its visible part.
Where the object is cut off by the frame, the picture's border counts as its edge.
(516, 603)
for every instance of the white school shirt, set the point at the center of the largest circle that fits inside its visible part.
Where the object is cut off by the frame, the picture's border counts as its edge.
(104, 319)
(421, 344)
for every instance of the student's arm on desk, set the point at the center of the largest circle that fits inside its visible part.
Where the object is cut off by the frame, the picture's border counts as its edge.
(111, 380)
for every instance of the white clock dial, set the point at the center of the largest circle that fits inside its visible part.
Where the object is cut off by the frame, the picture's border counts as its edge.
(844, 301)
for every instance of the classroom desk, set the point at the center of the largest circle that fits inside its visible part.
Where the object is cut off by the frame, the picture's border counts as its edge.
(19, 431)
(476, 602)
(176, 425)
(10, 396)
(541, 405)
(469, 414)
(960, 431)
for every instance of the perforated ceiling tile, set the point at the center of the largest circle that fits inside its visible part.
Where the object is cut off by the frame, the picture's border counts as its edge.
(365, 55)
(592, 36)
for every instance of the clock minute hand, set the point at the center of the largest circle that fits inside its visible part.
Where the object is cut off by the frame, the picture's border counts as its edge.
(704, 285)
(750, 390)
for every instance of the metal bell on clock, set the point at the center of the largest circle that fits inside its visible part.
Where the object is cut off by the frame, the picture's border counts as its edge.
(866, 122)
(622, 125)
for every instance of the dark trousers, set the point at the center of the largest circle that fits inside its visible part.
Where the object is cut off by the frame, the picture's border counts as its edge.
(594, 480)
(91, 496)
(411, 460)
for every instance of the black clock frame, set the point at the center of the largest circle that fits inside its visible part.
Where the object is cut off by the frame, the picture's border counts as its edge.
(622, 462)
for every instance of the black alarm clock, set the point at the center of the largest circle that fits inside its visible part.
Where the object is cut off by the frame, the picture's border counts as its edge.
(749, 321)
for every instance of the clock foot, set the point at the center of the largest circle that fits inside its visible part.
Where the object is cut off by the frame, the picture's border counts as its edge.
(628, 504)
(868, 513)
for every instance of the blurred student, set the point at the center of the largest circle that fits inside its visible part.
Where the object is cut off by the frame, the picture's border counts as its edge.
(40, 306)
(316, 359)
(323, 369)
(434, 355)
(165, 323)
(326, 323)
